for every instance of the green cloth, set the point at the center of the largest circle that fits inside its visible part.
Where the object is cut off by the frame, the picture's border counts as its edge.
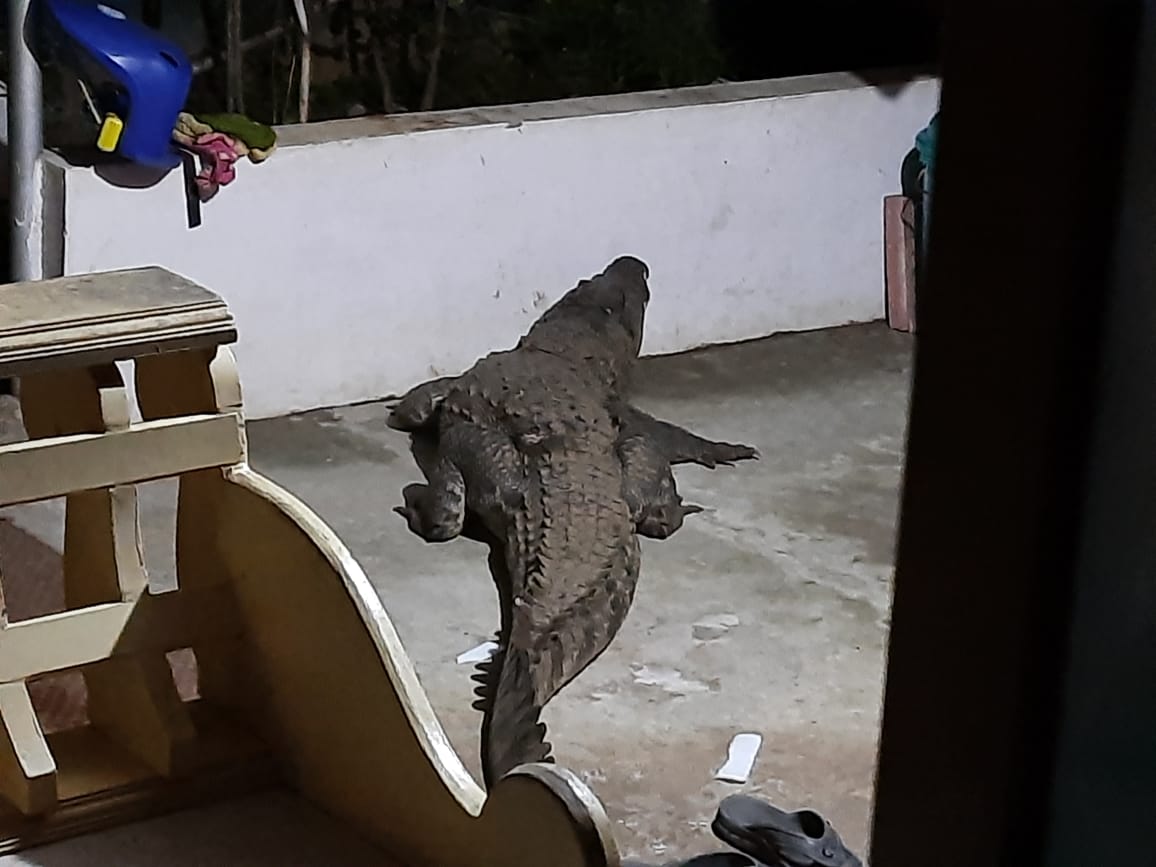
(253, 134)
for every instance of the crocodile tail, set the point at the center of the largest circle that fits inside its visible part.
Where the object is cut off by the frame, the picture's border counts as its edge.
(512, 730)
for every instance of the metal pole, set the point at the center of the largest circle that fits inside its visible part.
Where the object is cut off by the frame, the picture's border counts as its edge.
(25, 145)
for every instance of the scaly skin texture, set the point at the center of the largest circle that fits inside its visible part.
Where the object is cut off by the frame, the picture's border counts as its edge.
(534, 452)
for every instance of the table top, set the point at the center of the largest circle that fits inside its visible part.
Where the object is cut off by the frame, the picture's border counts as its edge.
(110, 316)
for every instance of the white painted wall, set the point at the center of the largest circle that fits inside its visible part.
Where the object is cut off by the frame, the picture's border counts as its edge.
(367, 255)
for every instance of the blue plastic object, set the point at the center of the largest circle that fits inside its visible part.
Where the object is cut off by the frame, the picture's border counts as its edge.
(135, 75)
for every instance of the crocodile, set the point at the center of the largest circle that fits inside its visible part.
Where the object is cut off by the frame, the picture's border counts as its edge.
(535, 452)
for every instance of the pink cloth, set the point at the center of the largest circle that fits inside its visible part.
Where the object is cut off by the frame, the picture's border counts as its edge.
(218, 153)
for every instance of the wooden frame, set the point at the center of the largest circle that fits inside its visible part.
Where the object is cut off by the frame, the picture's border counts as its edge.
(302, 678)
(899, 261)
(1019, 706)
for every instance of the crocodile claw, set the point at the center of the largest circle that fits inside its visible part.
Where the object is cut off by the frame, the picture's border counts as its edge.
(777, 838)
(412, 520)
(663, 521)
(414, 498)
(726, 454)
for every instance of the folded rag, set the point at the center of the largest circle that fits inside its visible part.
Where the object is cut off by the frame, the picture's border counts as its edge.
(220, 140)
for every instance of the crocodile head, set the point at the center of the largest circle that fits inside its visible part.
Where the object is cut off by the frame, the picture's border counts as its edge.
(600, 319)
(626, 292)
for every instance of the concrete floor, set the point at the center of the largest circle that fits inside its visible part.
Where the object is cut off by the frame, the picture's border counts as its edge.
(768, 613)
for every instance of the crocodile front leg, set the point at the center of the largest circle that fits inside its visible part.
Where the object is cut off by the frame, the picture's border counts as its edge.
(679, 445)
(649, 488)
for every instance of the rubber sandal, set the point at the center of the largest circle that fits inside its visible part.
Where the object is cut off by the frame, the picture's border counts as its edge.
(776, 838)
(716, 859)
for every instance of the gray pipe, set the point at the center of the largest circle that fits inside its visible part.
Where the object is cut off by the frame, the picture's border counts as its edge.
(25, 146)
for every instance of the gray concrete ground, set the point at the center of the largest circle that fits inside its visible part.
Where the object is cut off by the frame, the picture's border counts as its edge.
(768, 613)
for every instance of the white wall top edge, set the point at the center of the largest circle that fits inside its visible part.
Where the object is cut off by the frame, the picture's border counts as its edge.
(359, 266)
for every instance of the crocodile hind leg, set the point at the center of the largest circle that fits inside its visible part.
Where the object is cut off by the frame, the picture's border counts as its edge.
(655, 505)
(473, 479)
(436, 511)
(679, 445)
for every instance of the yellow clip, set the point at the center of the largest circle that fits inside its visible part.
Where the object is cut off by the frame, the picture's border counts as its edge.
(110, 132)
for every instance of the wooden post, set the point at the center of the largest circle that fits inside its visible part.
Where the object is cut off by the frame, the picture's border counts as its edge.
(899, 261)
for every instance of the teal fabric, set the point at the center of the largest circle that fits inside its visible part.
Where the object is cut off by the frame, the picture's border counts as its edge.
(925, 144)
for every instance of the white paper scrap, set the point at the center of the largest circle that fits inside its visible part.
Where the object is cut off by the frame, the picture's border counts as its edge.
(478, 654)
(740, 758)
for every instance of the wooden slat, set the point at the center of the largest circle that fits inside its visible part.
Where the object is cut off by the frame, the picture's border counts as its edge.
(101, 785)
(191, 383)
(27, 769)
(899, 261)
(103, 558)
(161, 623)
(110, 316)
(43, 469)
(134, 700)
(131, 698)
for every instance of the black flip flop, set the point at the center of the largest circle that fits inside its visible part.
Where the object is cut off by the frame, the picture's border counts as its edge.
(715, 859)
(776, 838)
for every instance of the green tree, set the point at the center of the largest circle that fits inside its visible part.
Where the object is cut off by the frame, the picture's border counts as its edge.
(407, 55)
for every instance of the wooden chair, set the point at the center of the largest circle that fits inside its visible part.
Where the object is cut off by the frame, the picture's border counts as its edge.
(300, 676)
